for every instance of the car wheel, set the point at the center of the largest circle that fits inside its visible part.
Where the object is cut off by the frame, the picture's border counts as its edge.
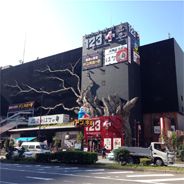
(158, 162)
(131, 160)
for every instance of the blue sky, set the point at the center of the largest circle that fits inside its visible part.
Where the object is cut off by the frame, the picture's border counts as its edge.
(47, 27)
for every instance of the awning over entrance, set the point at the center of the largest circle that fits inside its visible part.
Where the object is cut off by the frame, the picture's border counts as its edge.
(25, 138)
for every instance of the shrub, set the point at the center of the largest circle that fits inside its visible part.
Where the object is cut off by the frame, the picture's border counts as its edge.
(78, 157)
(145, 161)
(43, 157)
(121, 154)
(182, 155)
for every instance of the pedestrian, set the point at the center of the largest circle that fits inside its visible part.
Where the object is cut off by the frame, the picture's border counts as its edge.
(104, 152)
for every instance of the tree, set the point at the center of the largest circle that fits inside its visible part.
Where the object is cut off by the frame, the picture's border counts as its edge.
(112, 105)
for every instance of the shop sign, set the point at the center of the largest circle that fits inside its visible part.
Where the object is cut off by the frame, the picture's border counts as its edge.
(92, 61)
(96, 127)
(156, 129)
(21, 106)
(83, 122)
(116, 143)
(50, 119)
(107, 143)
(116, 55)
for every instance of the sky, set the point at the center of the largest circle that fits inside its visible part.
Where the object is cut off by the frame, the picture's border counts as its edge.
(32, 29)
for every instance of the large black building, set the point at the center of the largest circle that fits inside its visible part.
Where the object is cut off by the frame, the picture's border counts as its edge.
(36, 75)
(158, 80)
(162, 77)
(110, 57)
(162, 84)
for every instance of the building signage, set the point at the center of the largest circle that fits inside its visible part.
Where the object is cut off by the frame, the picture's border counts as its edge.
(50, 119)
(116, 143)
(106, 36)
(21, 106)
(96, 127)
(83, 122)
(92, 61)
(156, 129)
(107, 143)
(104, 41)
(107, 129)
(116, 55)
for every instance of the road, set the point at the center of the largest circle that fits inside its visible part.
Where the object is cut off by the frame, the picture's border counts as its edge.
(47, 174)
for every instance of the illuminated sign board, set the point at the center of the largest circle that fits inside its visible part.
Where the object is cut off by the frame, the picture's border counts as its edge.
(92, 61)
(83, 122)
(110, 46)
(21, 106)
(50, 119)
(116, 54)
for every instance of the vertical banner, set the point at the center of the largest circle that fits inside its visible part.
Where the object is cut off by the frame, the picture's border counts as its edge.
(129, 49)
(116, 143)
(162, 129)
(107, 143)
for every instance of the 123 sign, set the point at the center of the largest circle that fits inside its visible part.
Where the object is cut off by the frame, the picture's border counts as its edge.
(94, 41)
(95, 127)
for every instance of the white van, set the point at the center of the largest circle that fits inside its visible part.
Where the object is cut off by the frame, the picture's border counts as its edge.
(35, 147)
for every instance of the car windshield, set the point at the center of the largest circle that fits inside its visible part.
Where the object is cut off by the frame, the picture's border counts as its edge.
(161, 147)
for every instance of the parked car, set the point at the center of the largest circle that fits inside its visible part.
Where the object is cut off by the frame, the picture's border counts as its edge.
(36, 147)
(110, 156)
(19, 153)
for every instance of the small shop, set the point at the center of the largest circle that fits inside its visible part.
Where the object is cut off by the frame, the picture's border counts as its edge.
(106, 131)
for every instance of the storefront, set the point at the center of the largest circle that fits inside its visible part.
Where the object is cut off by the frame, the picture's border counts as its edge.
(106, 131)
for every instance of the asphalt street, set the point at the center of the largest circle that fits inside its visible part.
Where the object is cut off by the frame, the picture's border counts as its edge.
(47, 174)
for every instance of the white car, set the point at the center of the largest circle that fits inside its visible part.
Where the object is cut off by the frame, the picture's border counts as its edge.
(16, 153)
(110, 156)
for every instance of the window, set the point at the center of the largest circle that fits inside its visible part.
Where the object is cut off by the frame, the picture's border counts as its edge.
(31, 147)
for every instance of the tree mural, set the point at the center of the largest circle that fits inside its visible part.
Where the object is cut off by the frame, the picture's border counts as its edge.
(92, 105)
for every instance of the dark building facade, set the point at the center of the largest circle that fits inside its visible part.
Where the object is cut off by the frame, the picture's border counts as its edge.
(111, 58)
(40, 85)
(162, 83)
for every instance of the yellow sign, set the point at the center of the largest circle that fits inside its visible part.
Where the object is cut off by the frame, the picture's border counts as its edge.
(83, 122)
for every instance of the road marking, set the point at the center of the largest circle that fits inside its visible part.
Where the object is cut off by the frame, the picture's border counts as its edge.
(160, 180)
(69, 168)
(6, 168)
(41, 169)
(47, 167)
(115, 172)
(147, 175)
(39, 178)
(97, 177)
(67, 181)
(85, 170)
(89, 170)
(6, 182)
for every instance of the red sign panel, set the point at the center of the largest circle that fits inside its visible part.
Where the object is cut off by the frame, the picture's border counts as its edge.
(107, 130)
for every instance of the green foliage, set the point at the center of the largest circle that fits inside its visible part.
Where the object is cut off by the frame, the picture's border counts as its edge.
(182, 155)
(145, 161)
(121, 153)
(56, 141)
(80, 137)
(78, 157)
(43, 157)
(174, 140)
(9, 143)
